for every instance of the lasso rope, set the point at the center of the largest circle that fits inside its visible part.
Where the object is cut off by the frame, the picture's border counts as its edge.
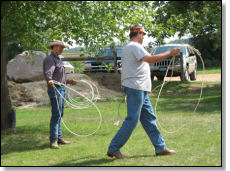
(83, 105)
(162, 85)
(79, 105)
(119, 117)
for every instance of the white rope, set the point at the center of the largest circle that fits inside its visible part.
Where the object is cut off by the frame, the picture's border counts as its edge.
(162, 85)
(83, 105)
(77, 105)
(119, 117)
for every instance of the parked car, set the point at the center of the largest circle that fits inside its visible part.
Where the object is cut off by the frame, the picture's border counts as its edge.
(103, 65)
(68, 67)
(189, 66)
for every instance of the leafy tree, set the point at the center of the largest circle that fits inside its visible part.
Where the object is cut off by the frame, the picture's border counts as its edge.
(33, 24)
(202, 19)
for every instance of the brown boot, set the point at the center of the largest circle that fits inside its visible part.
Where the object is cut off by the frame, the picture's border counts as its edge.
(54, 145)
(61, 141)
(118, 155)
(166, 152)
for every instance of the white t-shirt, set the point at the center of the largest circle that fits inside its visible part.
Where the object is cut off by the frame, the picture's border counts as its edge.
(135, 72)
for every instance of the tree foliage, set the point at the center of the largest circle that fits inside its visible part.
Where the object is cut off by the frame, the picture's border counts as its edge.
(194, 17)
(201, 19)
(33, 24)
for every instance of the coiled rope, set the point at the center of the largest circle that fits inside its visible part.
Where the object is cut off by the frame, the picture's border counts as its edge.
(79, 105)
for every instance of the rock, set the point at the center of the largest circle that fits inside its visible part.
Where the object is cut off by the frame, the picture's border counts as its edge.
(20, 70)
(31, 93)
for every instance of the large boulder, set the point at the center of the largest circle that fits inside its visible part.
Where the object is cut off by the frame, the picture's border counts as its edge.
(20, 70)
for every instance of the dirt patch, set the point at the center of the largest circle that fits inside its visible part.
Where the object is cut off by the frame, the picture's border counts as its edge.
(206, 77)
(109, 86)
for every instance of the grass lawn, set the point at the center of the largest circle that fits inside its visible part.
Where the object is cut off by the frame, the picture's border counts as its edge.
(198, 142)
(209, 70)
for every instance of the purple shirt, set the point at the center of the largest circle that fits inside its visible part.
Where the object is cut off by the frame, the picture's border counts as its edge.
(53, 68)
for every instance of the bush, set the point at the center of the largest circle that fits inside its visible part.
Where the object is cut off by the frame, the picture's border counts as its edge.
(78, 66)
(212, 62)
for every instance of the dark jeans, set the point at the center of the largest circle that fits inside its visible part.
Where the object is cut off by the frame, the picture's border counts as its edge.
(138, 108)
(57, 104)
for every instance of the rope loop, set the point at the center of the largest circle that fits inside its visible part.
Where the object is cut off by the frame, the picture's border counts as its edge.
(164, 83)
(79, 105)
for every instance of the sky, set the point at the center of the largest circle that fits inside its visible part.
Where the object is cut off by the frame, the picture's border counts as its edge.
(167, 40)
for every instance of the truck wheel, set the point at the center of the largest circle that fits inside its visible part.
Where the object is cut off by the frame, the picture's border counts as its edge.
(185, 77)
(160, 78)
(152, 77)
(193, 75)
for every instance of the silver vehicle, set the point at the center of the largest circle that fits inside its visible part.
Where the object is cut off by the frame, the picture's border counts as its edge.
(100, 65)
(68, 67)
(185, 68)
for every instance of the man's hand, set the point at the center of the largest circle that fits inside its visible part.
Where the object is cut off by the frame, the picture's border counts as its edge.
(51, 83)
(175, 51)
(72, 82)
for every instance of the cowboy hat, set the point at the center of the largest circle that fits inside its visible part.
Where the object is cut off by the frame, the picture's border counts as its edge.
(57, 42)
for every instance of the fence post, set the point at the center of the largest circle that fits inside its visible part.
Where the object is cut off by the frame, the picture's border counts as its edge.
(113, 49)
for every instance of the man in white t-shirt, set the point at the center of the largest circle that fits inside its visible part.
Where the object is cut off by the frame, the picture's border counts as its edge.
(136, 83)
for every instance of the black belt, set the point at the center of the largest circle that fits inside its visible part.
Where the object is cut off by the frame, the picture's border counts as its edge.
(57, 85)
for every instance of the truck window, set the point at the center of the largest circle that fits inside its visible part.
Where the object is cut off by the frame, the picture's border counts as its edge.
(163, 49)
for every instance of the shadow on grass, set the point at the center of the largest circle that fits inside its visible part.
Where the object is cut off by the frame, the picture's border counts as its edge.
(91, 161)
(177, 96)
(88, 161)
(24, 138)
(140, 156)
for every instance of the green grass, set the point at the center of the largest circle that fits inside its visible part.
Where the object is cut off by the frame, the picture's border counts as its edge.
(209, 70)
(198, 143)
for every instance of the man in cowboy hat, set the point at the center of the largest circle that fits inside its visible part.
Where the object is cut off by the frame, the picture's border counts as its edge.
(136, 83)
(53, 69)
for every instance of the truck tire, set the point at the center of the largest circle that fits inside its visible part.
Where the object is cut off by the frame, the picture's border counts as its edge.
(185, 77)
(193, 75)
(152, 77)
(160, 78)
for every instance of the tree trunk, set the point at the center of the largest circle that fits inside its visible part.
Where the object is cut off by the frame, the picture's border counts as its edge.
(7, 114)
(113, 49)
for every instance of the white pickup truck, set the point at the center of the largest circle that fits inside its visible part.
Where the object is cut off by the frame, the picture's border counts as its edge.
(184, 66)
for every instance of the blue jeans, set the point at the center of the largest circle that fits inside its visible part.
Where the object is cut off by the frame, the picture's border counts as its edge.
(55, 121)
(138, 108)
